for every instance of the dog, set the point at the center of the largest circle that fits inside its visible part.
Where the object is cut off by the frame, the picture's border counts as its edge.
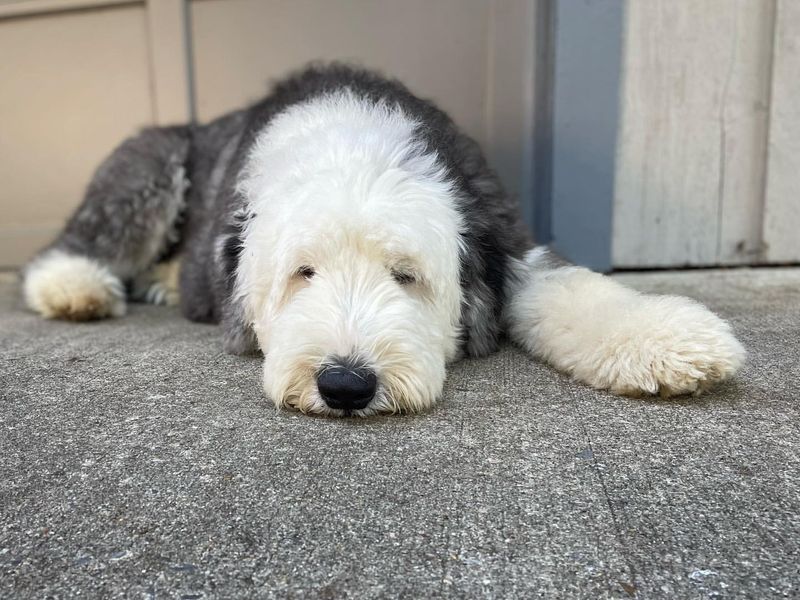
(350, 232)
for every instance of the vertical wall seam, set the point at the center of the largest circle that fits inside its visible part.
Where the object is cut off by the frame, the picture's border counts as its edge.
(151, 62)
(723, 139)
(489, 78)
(621, 98)
(761, 256)
(188, 48)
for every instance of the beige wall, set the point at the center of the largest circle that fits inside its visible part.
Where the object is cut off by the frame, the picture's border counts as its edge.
(708, 168)
(73, 85)
(86, 73)
(239, 45)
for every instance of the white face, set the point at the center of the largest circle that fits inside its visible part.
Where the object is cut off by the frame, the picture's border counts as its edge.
(351, 284)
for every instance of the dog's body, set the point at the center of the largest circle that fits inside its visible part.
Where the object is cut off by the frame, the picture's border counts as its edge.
(353, 234)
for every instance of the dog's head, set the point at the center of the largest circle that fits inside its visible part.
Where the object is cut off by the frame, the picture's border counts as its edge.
(349, 276)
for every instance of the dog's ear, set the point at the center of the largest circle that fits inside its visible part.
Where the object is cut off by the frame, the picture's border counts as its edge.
(493, 234)
(229, 245)
(483, 271)
(237, 334)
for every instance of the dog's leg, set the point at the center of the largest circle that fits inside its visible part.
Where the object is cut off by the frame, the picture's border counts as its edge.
(157, 285)
(128, 219)
(614, 338)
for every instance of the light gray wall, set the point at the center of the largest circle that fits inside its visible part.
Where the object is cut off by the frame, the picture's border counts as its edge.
(708, 169)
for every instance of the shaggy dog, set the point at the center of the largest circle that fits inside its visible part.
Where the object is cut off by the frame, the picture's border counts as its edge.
(349, 231)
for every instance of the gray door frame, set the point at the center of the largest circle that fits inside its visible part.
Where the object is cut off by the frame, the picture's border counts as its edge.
(578, 88)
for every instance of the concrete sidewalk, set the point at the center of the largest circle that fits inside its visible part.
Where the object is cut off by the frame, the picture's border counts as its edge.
(138, 460)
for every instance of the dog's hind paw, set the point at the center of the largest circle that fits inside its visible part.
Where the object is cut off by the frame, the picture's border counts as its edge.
(158, 285)
(58, 285)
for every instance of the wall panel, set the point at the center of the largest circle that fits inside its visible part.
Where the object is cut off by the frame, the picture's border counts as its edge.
(782, 207)
(692, 142)
(438, 48)
(74, 84)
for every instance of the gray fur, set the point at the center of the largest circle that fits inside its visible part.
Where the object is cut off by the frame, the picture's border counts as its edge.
(131, 214)
(135, 204)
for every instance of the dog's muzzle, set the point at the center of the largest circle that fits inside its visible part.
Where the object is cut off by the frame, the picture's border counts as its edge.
(345, 387)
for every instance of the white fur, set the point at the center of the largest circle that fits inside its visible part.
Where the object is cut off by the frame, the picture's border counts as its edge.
(614, 338)
(341, 185)
(64, 286)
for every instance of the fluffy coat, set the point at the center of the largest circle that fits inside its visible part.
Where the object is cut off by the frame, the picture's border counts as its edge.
(344, 221)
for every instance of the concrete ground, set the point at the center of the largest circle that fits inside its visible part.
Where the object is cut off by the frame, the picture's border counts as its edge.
(138, 460)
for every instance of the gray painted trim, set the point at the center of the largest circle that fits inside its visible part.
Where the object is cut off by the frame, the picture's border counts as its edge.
(587, 68)
(531, 116)
(541, 213)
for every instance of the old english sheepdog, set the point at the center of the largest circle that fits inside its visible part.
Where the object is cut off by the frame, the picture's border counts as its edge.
(350, 232)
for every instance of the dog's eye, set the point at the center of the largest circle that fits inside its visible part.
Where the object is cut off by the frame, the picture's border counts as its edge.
(403, 277)
(306, 272)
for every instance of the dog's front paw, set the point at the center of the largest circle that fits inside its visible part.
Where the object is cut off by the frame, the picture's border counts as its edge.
(614, 338)
(665, 345)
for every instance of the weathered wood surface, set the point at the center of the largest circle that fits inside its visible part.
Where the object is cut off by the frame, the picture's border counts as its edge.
(692, 143)
(782, 202)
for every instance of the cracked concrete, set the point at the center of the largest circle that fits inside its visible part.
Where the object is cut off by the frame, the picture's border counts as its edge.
(140, 460)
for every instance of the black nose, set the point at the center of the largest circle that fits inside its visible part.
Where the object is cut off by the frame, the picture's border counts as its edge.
(346, 388)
